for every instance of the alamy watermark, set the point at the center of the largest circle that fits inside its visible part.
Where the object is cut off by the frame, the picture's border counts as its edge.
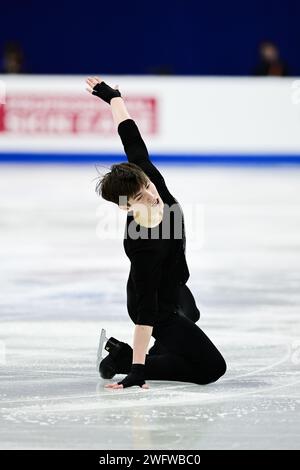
(110, 224)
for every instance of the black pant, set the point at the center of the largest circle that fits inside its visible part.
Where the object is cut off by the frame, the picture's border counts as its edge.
(182, 351)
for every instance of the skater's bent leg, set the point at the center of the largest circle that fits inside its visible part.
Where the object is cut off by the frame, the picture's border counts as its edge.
(175, 368)
(183, 351)
(203, 362)
(167, 367)
(186, 307)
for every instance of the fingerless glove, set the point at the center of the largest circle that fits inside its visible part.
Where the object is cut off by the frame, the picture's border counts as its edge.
(135, 377)
(105, 92)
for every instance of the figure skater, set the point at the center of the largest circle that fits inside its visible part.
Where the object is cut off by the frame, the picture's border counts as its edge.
(158, 300)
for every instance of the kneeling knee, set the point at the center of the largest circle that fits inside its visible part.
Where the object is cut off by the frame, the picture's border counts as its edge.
(196, 315)
(215, 373)
(222, 367)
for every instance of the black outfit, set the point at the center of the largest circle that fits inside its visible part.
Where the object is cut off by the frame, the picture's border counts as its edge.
(156, 292)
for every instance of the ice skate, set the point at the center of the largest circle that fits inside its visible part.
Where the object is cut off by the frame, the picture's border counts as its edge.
(118, 360)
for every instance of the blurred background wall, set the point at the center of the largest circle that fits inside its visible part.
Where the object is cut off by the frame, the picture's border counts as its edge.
(181, 118)
(138, 37)
(204, 79)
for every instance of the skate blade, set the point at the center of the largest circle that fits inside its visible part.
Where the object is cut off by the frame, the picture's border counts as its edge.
(101, 350)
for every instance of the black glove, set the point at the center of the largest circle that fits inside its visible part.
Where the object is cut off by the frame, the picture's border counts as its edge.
(105, 92)
(135, 377)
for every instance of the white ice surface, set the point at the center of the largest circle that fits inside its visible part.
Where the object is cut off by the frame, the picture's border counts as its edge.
(60, 284)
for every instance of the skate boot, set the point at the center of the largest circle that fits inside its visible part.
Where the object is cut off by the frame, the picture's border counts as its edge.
(118, 360)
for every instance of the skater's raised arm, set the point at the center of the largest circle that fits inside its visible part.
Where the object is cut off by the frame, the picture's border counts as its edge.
(132, 141)
(112, 96)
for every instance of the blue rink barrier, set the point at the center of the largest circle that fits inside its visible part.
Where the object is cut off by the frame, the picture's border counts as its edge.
(220, 159)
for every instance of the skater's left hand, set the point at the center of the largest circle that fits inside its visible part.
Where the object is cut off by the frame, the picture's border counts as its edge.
(97, 87)
(135, 377)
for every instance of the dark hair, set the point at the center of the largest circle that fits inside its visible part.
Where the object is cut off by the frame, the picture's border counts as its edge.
(124, 179)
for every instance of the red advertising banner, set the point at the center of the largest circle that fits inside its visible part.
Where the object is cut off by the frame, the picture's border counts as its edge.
(34, 114)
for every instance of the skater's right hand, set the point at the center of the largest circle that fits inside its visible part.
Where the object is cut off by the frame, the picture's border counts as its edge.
(135, 377)
(97, 87)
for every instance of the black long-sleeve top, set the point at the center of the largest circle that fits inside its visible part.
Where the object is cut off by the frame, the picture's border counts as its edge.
(158, 264)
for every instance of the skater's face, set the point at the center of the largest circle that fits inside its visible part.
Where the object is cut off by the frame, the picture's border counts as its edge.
(146, 205)
(147, 196)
